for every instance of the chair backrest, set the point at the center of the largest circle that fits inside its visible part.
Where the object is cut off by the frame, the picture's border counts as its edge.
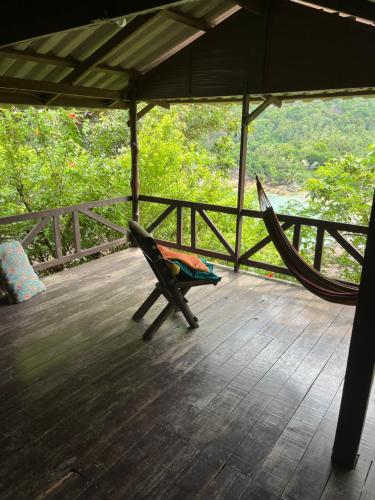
(153, 256)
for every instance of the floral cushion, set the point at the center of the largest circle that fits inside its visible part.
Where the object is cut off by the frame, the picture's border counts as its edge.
(16, 273)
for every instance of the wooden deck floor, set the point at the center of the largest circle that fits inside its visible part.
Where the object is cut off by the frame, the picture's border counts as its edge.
(243, 407)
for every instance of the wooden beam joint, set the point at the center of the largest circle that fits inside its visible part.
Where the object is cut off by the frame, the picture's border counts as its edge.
(276, 101)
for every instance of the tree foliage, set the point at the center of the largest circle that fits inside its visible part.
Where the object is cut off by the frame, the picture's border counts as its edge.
(50, 158)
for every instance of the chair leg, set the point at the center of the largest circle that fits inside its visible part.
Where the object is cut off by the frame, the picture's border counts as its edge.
(179, 296)
(147, 304)
(158, 321)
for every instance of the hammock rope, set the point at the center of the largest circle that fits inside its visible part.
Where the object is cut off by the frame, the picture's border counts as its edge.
(326, 288)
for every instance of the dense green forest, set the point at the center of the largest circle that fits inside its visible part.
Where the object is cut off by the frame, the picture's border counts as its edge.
(50, 158)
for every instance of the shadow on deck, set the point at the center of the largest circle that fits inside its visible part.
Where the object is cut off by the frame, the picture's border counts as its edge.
(244, 407)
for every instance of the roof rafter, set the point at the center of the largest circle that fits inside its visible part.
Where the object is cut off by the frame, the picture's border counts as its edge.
(171, 51)
(11, 83)
(188, 20)
(363, 9)
(62, 62)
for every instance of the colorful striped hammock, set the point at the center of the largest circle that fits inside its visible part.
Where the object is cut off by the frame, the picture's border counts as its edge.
(326, 288)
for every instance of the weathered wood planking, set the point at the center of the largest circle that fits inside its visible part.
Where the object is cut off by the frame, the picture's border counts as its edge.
(90, 411)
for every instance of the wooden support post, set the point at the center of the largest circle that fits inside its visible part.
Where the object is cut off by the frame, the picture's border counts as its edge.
(360, 367)
(241, 180)
(134, 183)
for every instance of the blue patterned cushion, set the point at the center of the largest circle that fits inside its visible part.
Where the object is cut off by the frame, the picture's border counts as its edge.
(19, 278)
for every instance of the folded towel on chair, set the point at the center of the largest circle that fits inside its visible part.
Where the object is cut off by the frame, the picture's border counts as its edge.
(191, 261)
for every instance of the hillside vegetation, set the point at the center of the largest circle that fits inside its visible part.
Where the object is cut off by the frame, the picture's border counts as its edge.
(50, 158)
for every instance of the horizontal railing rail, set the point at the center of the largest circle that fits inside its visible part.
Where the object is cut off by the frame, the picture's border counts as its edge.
(53, 216)
(335, 230)
(294, 222)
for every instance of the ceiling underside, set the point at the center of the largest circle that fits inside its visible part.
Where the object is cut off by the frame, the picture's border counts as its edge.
(197, 50)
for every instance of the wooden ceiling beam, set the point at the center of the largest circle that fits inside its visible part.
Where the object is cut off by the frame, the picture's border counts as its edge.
(364, 9)
(254, 6)
(188, 20)
(24, 20)
(62, 62)
(7, 98)
(44, 87)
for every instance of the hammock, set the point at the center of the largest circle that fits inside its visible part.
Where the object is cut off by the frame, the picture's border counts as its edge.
(326, 288)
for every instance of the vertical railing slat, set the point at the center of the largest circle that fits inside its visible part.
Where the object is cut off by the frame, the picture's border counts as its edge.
(319, 248)
(57, 236)
(76, 232)
(179, 226)
(193, 229)
(297, 236)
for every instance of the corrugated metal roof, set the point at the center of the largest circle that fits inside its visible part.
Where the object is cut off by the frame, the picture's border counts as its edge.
(158, 39)
(152, 43)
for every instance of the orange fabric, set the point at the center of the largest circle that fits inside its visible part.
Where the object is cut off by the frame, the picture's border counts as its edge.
(191, 261)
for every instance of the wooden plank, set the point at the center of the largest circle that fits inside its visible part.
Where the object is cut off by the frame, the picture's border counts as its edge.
(152, 371)
(261, 244)
(220, 433)
(79, 255)
(319, 248)
(242, 166)
(160, 219)
(362, 10)
(286, 429)
(143, 111)
(76, 232)
(35, 230)
(188, 204)
(62, 210)
(266, 267)
(250, 117)
(153, 396)
(297, 236)
(179, 226)
(57, 237)
(193, 228)
(347, 246)
(104, 221)
(36, 99)
(216, 232)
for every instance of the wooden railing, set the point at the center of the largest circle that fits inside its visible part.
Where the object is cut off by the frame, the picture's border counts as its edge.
(296, 223)
(53, 216)
(180, 207)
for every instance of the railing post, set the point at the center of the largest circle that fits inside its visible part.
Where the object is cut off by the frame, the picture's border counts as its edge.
(134, 183)
(241, 180)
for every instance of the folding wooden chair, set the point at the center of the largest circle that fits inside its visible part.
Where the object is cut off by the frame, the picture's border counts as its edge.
(167, 285)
